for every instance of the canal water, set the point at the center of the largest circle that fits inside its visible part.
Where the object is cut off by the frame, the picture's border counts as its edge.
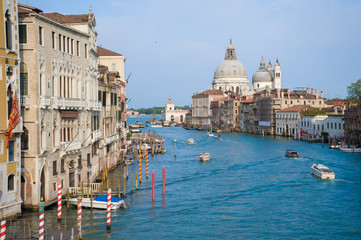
(248, 190)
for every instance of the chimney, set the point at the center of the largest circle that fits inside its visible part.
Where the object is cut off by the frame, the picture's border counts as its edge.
(336, 112)
(321, 94)
(288, 93)
(316, 93)
(308, 90)
(282, 94)
(312, 91)
(278, 93)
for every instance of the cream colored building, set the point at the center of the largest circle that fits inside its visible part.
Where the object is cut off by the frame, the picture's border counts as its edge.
(59, 102)
(171, 114)
(10, 160)
(114, 61)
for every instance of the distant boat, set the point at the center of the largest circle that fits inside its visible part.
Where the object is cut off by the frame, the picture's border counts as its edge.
(190, 141)
(218, 137)
(292, 154)
(322, 171)
(205, 157)
(351, 150)
(156, 125)
(100, 202)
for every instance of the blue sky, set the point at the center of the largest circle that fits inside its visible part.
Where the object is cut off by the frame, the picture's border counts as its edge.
(173, 47)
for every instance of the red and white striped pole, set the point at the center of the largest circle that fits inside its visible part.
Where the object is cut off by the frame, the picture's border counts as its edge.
(109, 210)
(146, 161)
(79, 211)
(41, 220)
(59, 202)
(3, 230)
(140, 166)
(163, 180)
(153, 195)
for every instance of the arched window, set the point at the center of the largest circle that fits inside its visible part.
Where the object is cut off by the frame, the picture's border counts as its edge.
(11, 182)
(8, 30)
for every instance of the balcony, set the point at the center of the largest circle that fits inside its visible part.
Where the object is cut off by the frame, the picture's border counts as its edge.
(45, 101)
(111, 138)
(71, 145)
(68, 103)
(97, 134)
(25, 101)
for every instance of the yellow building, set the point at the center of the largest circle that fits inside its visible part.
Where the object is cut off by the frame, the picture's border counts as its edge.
(10, 164)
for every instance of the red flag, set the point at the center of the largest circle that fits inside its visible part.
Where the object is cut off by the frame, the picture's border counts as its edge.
(126, 80)
(303, 132)
(14, 119)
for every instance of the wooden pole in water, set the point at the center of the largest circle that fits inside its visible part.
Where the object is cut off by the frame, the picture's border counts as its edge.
(113, 182)
(118, 185)
(136, 181)
(131, 182)
(124, 179)
(88, 185)
(91, 198)
(67, 196)
(153, 194)
(163, 180)
(175, 148)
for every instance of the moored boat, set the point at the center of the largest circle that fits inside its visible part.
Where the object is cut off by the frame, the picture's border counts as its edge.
(100, 202)
(205, 156)
(350, 150)
(322, 171)
(292, 154)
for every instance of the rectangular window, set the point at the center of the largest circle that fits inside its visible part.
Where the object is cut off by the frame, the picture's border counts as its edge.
(11, 151)
(111, 99)
(88, 160)
(72, 46)
(55, 172)
(86, 51)
(77, 49)
(41, 36)
(53, 40)
(64, 43)
(59, 42)
(62, 166)
(68, 45)
(23, 84)
(22, 34)
(114, 66)
(99, 96)
(79, 162)
(115, 99)
(104, 99)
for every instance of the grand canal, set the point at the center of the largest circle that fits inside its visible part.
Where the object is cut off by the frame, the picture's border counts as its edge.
(248, 190)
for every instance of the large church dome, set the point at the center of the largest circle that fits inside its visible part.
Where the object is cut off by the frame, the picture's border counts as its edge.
(230, 74)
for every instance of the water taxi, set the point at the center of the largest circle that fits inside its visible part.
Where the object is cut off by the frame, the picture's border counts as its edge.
(322, 171)
(99, 202)
(350, 150)
(292, 154)
(205, 157)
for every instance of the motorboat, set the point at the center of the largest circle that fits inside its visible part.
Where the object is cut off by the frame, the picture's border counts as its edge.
(334, 146)
(100, 202)
(218, 137)
(210, 134)
(146, 146)
(205, 157)
(292, 154)
(190, 141)
(350, 150)
(322, 171)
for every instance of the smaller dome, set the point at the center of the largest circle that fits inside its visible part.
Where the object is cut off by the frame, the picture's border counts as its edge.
(277, 63)
(262, 74)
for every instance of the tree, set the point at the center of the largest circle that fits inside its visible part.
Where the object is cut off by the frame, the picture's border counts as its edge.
(354, 90)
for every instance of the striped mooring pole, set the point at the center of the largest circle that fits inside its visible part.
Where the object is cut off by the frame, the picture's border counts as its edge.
(109, 197)
(41, 220)
(163, 180)
(146, 163)
(140, 166)
(59, 202)
(3, 230)
(79, 211)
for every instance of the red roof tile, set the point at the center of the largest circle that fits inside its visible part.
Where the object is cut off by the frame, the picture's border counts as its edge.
(105, 52)
(60, 18)
(296, 108)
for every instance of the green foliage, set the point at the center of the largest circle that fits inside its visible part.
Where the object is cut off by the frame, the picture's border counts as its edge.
(354, 90)
(313, 112)
(324, 134)
(158, 110)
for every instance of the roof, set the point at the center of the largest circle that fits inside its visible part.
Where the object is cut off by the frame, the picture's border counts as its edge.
(60, 18)
(248, 100)
(22, 8)
(296, 108)
(105, 52)
(211, 92)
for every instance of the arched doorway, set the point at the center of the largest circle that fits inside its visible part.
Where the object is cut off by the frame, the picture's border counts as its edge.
(172, 118)
(42, 185)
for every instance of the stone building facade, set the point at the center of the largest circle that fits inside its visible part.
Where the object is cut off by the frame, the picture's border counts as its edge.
(171, 114)
(59, 102)
(10, 160)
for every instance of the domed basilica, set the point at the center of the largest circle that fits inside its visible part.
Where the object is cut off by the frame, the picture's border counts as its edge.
(231, 75)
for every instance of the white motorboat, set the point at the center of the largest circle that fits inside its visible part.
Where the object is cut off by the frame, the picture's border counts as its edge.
(210, 134)
(190, 141)
(146, 146)
(205, 157)
(100, 202)
(350, 150)
(156, 126)
(322, 171)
